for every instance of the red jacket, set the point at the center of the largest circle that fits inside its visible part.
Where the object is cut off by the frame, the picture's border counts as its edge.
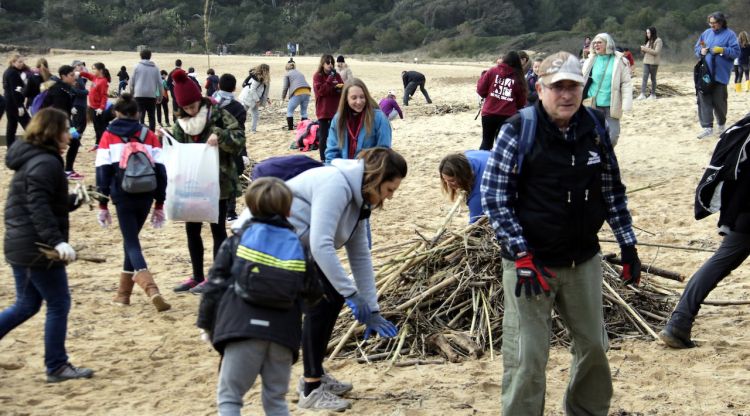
(503, 96)
(98, 93)
(327, 96)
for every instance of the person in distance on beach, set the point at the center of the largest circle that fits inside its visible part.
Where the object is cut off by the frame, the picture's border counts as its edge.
(412, 80)
(546, 213)
(327, 85)
(503, 88)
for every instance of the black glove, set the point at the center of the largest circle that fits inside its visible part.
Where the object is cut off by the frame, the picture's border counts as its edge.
(631, 265)
(532, 275)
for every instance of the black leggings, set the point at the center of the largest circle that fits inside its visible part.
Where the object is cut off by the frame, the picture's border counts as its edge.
(70, 156)
(317, 328)
(739, 70)
(490, 127)
(195, 241)
(323, 125)
(13, 121)
(100, 123)
(163, 107)
(147, 105)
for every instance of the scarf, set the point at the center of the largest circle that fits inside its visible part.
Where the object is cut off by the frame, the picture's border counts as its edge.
(194, 126)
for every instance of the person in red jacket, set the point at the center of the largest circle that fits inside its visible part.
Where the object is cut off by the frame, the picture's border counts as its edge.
(504, 89)
(98, 98)
(327, 86)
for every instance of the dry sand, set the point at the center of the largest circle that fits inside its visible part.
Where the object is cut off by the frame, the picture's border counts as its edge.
(155, 364)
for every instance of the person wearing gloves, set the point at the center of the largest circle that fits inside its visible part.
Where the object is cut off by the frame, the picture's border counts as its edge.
(718, 44)
(462, 173)
(358, 124)
(327, 85)
(296, 87)
(132, 208)
(255, 92)
(37, 211)
(610, 89)
(330, 204)
(546, 213)
(202, 120)
(13, 87)
(98, 98)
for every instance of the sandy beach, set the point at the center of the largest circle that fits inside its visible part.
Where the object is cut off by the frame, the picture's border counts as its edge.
(152, 363)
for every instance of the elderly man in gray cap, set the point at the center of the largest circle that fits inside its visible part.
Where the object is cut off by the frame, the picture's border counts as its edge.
(550, 183)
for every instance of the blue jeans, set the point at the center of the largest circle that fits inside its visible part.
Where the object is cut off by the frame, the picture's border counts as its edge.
(33, 286)
(298, 100)
(131, 215)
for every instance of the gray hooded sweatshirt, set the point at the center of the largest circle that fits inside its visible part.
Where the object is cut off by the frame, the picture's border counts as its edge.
(146, 80)
(325, 214)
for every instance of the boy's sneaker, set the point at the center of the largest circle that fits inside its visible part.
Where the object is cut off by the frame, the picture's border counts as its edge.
(329, 384)
(186, 285)
(74, 176)
(722, 127)
(676, 338)
(68, 372)
(199, 288)
(320, 399)
(708, 131)
(652, 97)
(641, 97)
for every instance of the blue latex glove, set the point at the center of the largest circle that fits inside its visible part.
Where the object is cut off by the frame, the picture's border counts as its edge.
(381, 326)
(359, 306)
(74, 134)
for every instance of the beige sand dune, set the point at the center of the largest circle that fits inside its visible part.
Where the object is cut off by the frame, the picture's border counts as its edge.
(155, 364)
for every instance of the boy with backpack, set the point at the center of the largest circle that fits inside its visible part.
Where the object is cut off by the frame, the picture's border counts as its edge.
(251, 307)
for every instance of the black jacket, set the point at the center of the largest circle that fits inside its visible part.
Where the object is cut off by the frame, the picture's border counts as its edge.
(14, 88)
(237, 110)
(38, 204)
(412, 76)
(560, 204)
(60, 96)
(33, 87)
(229, 318)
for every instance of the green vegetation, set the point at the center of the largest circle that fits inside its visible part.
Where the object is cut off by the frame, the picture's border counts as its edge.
(436, 28)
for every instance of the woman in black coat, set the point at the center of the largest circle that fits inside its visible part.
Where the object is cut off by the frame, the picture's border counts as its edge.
(14, 87)
(36, 211)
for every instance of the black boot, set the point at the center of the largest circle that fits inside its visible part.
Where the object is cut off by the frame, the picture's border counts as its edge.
(290, 123)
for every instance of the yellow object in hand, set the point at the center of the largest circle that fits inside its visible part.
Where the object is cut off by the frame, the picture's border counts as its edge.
(717, 50)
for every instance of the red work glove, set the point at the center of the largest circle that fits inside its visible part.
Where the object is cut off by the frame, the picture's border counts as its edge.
(532, 276)
(631, 265)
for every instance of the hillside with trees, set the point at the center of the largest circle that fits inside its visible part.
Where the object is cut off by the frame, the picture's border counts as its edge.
(462, 28)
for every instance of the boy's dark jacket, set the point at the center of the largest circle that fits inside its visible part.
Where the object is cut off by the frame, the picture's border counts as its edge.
(229, 318)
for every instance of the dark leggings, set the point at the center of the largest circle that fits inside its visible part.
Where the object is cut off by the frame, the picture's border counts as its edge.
(131, 215)
(163, 107)
(317, 328)
(195, 241)
(324, 124)
(100, 123)
(739, 70)
(490, 127)
(13, 121)
(70, 156)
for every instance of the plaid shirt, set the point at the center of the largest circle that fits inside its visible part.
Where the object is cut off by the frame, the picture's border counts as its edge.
(499, 185)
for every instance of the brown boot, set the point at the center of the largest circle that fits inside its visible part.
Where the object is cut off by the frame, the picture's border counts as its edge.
(125, 289)
(146, 281)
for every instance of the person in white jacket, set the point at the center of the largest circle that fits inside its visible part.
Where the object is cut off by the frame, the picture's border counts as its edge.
(608, 82)
(254, 92)
(328, 212)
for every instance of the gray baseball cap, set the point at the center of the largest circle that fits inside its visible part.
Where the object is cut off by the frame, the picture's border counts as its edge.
(76, 63)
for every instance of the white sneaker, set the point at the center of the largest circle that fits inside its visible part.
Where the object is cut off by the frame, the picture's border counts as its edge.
(320, 399)
(641, 97)
(652, 97)
(722, 127)
(708, 131)
(329, 384)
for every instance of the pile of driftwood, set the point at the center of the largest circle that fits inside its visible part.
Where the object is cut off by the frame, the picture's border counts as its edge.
(446, 296)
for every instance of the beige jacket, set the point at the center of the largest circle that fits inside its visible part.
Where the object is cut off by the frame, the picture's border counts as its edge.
(621, 98)
(652, 56)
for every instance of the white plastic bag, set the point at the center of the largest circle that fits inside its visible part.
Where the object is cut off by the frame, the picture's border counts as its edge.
(193, 188)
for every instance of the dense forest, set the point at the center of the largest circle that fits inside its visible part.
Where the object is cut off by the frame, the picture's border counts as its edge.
(436, 27)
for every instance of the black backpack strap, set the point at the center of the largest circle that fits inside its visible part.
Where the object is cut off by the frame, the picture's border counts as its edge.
(141, 136)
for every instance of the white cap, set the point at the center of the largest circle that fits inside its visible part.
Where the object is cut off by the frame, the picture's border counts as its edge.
(560, 66)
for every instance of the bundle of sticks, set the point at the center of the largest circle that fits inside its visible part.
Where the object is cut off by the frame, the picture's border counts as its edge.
(446, 296)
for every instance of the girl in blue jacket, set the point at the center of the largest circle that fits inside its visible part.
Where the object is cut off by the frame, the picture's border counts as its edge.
(358, 124)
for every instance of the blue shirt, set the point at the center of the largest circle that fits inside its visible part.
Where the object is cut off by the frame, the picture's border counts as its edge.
(724, 61)
(379, 136)
(478, 160)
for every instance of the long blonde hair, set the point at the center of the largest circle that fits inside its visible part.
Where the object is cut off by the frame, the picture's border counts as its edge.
(262, 73)
(344, 112)
(43, 67)
(13, 58)
(742, 37)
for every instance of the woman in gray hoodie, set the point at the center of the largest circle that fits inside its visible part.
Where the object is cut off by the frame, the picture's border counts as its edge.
(296, 86)
(328, 212)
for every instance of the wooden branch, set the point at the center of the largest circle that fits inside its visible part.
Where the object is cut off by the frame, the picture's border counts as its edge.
(604, 240)
(632, 312)
(726, 302)
(657, 271)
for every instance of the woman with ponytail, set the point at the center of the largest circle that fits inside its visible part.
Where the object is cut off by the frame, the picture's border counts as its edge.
(98, 98)
(504, 90)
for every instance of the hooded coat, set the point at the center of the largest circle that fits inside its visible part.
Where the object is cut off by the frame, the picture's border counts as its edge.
(146, 80)
(621, 97)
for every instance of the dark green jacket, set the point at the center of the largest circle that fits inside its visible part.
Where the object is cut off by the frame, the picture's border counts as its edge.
(231, 141)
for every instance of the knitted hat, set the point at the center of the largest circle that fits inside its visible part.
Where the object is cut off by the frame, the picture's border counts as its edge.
(340, 58)
(185, 90)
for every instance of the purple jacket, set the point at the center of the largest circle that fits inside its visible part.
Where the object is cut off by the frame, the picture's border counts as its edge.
(389, 104)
